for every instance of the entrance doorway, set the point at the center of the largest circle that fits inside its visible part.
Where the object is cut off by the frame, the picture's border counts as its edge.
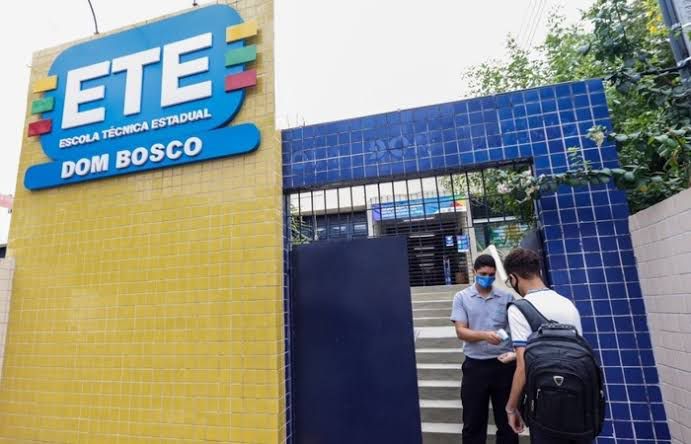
(448, 219)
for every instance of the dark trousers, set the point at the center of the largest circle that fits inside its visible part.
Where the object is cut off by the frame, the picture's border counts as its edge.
(484, 380)
(537, 437)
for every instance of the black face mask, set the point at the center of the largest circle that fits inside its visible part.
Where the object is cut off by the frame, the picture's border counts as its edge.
(514, 286)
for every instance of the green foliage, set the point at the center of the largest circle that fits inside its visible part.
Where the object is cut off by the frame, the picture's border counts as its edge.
(625, 43)
(489, 189)
(297, 232)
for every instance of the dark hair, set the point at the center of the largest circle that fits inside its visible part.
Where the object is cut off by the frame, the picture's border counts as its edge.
(484, 260)
(524, 263)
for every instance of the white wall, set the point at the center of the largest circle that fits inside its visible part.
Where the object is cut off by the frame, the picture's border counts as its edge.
(6, 271)
(662, 244)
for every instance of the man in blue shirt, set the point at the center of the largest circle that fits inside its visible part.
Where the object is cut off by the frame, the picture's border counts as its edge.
(479, 314)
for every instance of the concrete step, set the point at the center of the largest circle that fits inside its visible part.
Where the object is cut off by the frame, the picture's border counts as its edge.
(446, 389)
(448, 433)
(432, 321)
(433, 297)
(439, 371)
(432, 312)
(441, 304)
(452, 342)
(438, 289)
(446, 411)
(439, 355)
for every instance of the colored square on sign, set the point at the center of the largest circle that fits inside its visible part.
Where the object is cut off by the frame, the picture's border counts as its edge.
(45, 84)
(242, 31)
(242, 80)
(42, 105)
(242, 55)
(40, 127)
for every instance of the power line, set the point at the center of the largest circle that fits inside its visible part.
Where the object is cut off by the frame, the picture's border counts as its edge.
(540, 16)
(531, 24)
(525, 20)
(93, 13)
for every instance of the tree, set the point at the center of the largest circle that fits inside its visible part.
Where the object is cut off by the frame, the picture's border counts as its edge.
(625, 43)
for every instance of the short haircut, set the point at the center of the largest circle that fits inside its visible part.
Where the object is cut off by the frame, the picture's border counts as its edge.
(524, 263)
(484, 260)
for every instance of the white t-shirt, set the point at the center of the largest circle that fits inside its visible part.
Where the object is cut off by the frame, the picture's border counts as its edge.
(552, 305)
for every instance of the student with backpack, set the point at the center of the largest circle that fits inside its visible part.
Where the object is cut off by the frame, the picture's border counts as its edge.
(558, 386)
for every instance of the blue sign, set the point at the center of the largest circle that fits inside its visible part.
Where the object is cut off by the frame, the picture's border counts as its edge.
(150, 97)
(463, 242)
(448, 241)
(417, 208)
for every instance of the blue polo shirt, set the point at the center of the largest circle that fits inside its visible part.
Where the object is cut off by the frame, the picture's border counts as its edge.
(487, 314)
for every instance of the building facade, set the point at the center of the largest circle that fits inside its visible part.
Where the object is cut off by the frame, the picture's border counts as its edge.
(150, 298)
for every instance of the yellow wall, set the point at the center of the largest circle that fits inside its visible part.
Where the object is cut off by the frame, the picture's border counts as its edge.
(148, 308)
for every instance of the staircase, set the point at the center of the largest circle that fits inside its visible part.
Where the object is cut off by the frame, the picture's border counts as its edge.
(439, 357)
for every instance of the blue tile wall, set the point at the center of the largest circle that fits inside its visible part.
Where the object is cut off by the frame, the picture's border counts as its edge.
(588, 245)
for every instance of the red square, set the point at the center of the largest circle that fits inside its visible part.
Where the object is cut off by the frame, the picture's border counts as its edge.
(242, 80)
(40, 127)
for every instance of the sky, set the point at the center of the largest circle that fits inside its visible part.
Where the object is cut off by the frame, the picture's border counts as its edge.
(334, 59)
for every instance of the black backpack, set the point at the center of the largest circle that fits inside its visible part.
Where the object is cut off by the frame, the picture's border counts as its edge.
(563, 395)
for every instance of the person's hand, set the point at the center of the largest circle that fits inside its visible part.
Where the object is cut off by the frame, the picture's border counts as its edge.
(492, 338)
(515, 421)
(507, 357)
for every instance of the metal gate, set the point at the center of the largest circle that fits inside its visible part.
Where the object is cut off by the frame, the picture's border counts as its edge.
(353, 375)
(447, 218)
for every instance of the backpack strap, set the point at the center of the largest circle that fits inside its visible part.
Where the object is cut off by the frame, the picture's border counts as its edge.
(532, 315)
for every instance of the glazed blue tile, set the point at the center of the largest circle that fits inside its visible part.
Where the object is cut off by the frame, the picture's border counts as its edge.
(623, 430)
(658, 411)
(532, 96)
(549, 106)
(584, 307)
(588, 324)
(460, 107)
(479, 143)
(503, 100)
(557, 262)
(524, 151)
(577, 275)
(555, 247)
(476, 118)
(496, 154)
(621, 410)
(563, 90)
(634, 290)
(511, 152)
(533, 109)
(584, 114)
(581, 101)
(558, 162)
(644, 430)
(605, 323)
(509, 139)
(546, 92)
(594, 85)
(661, 431)
(467, 159)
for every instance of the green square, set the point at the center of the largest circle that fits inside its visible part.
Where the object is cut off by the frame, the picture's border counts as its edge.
(42, 105)
(238, 56)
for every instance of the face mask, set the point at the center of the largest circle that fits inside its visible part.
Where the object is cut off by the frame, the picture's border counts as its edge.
(484, 281)
(514, 286)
